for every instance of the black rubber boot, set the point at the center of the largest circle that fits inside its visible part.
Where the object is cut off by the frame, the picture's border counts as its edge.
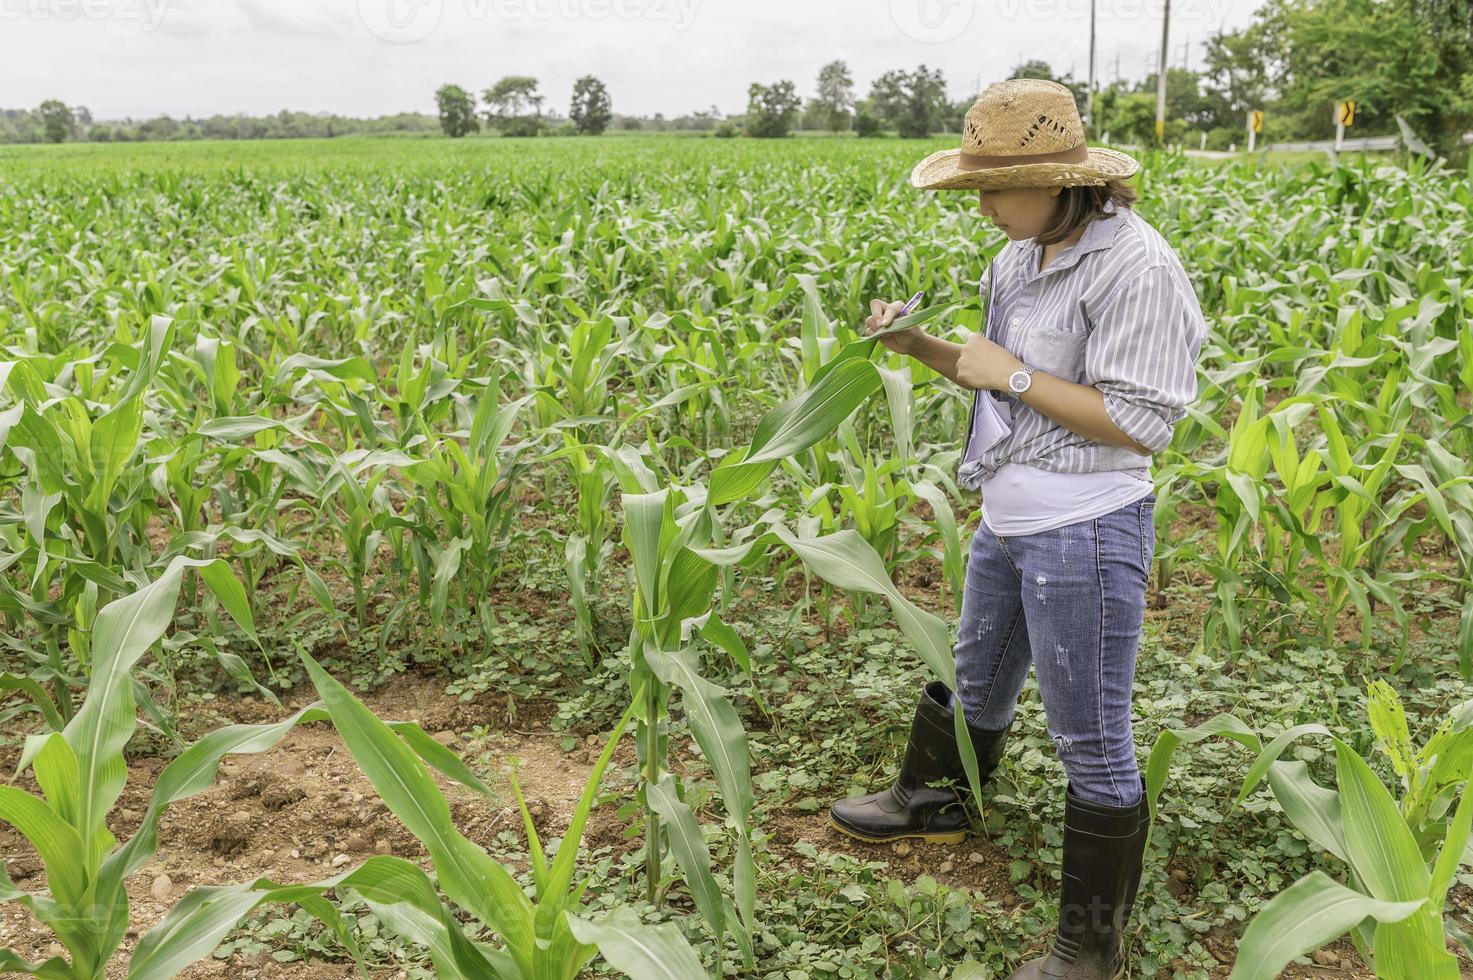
(911, 808)
(1103, 850)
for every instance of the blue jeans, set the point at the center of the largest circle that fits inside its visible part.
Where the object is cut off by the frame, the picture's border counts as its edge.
(1071, 602)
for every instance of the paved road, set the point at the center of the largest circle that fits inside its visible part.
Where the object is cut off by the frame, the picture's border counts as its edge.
(1359, 144)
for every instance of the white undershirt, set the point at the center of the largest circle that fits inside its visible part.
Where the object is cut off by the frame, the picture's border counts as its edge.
(1023, 499)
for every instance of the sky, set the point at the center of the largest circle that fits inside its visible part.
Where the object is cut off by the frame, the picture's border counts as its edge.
(140, 58)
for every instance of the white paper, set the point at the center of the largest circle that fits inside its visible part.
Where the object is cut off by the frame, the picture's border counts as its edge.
(991, 424)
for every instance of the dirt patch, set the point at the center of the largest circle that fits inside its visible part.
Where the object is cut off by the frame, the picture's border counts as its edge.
(975, 864)
(302, 811)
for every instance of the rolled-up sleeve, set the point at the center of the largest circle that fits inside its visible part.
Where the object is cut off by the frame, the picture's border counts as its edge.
(1142, 353)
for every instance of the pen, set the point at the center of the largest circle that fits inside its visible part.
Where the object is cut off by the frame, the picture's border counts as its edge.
(911, 303)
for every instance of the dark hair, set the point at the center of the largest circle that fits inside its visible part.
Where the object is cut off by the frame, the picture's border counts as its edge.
(1080, 205)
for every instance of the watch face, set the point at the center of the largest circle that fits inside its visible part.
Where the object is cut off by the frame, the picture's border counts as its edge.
(1018, 381)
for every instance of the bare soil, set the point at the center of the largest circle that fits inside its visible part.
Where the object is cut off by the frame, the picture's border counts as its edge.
(291, 812)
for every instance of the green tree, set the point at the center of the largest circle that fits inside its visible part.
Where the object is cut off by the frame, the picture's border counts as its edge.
(57, 120)
(914, 103)
(1042, 69)
(772, 109)
(457, 111)
(835, 100)
(1412, 58)
(1186, 101)
(591, 109)
(887, 96)
(1131, 117)
(1234, 71)
(1430, 78)
(514, 107)
(1034, 69)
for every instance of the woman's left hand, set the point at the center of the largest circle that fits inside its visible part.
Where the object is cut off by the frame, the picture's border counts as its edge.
(984, 365)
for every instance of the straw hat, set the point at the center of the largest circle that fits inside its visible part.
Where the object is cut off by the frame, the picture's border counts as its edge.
(1024, 132)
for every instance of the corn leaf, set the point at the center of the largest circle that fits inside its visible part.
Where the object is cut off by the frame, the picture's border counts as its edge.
(1305, 916)
(642, 952)
(691, 853)
(469, 876)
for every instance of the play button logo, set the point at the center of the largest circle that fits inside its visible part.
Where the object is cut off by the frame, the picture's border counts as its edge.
(932, 21)
(400, 21)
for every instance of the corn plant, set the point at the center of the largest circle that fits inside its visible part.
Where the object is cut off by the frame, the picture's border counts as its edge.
(421, 397)
(539, 936)
(1401, 855)
(81, 773)
(85, 495)
(587, 550)
(672, 533)
(1269, 537)
(1172, 481)
(673, 584)
(573, 377)
(357, 507)
(874, 497)
(1358, 497)
(472, 492)
(1448, 492)
(181, 471)
(81, 463)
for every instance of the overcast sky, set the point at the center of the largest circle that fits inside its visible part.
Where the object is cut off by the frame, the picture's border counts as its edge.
(138, 58)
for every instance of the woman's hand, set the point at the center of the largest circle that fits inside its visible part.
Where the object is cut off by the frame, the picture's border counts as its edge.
(985, 365)
(882, 315)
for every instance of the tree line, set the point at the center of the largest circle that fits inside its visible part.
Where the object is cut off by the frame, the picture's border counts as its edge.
(56, 122)
(513, 107)
(910, 103)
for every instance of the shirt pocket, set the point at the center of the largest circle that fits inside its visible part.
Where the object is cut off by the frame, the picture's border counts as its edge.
(1057, 350)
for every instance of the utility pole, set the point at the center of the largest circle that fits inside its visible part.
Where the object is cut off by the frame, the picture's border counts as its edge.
(1117, 66)
(1185, 48)
(1089, 97)
(1161, 74)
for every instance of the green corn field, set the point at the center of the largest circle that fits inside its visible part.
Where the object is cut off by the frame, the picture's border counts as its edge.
(487, 559)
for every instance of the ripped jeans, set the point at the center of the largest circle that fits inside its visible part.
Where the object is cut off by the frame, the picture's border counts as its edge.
(1071, 602)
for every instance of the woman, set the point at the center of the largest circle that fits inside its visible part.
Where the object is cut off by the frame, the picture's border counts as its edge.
(1091, 341)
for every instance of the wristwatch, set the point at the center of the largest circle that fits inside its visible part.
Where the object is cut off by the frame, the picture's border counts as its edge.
(1019, 380)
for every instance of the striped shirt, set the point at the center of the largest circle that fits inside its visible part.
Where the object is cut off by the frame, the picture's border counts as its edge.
(1115, 310)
